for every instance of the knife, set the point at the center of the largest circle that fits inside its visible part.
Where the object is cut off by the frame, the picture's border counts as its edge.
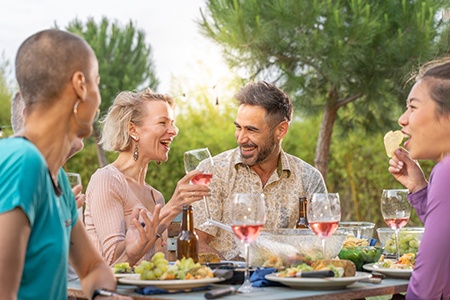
(217, 293)
(315, 274)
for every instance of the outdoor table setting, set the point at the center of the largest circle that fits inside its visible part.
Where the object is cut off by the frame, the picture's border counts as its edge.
(270, 254)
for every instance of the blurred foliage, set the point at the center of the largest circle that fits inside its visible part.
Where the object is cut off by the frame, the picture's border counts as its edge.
(5, 101)
(329, 54)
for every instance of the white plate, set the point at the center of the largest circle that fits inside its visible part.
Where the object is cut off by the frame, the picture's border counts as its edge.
(124, 275)
(399, 273)
(170, 285)
(318, 283)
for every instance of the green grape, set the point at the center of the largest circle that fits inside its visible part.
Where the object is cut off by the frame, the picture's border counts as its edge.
(158, 272)
(163, 267)
(158, 255)
(149, 275)
(146, 265)
(139, 269)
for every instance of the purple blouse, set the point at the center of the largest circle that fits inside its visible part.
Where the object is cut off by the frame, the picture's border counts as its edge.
(431, 276)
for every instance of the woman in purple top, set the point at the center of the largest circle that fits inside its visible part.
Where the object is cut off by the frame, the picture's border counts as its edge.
(426, 125)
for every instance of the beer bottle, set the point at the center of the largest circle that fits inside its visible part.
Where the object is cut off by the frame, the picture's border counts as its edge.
(187, 242)
(302, 221)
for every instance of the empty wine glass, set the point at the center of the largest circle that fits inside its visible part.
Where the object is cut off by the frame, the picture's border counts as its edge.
(324, 214)
(396, 211)
(192, 159)
(248, 215)
(74, 179)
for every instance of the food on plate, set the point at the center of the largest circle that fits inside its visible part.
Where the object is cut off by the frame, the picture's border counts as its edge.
(392, 141)
(273, 262)
(292, 272)
(158, 268)
(340, 268)
(406, 261)
(122, 268)
(407, 243)
(345, 268)
(208, 258)
(353, 241)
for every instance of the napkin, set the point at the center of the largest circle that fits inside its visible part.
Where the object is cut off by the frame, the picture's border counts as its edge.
(151, 290)
(258, 278)
(372, 242)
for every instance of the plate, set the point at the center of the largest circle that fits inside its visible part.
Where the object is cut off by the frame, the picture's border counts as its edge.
(170, 285)
(124, 275)
(318, 283)
(399, 273)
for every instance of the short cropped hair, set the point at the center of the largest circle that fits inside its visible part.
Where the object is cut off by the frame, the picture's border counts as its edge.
(436, 75)
(276, 103)
(47, 60)
(127, 107)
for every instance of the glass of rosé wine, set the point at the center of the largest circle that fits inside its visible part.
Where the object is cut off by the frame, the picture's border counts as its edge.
(247, 215)
(396, 210)
(194, 159)
(324, 214)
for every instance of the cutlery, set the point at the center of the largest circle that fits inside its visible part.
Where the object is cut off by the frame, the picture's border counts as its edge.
(217, 293)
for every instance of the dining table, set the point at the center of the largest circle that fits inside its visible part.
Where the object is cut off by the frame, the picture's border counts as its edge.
(357, 290)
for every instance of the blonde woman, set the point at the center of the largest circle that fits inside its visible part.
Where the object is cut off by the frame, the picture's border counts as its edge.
(141, 127)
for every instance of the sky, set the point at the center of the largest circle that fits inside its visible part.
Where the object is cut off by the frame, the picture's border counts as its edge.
(177, 45)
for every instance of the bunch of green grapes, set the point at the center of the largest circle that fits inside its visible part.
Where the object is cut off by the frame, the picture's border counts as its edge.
(122, 268)
(153, 269)
(407, 243)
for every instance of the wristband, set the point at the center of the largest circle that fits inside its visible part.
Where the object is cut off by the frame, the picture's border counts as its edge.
(103, 292)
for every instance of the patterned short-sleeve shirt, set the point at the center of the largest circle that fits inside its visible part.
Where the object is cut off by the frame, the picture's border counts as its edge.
(292, 179)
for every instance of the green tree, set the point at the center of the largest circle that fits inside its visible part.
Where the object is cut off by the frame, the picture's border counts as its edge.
(331, 54)
(5, 101)
(125, 61)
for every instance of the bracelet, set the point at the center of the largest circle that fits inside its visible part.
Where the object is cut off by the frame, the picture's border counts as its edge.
(103, 292)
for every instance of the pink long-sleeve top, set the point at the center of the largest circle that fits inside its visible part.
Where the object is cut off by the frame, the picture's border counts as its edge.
(431, 276)
(109, 203)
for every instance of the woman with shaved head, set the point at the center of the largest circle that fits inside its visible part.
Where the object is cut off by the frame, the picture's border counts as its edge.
(58, 78)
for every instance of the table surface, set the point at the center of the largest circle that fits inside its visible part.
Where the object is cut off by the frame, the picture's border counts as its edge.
(358, 290)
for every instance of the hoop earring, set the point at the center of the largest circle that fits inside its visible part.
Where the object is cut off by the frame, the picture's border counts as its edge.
(136, 153)
(75, 107)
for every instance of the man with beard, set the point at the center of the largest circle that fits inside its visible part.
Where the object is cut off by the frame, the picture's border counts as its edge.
(257, 165)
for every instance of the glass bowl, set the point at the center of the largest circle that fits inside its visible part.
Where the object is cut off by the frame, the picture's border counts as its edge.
(361, 230)
(361, 255)
(409, 239)
(287, 247)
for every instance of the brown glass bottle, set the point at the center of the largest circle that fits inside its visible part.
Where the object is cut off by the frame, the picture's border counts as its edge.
(187, 242)
(302, 221)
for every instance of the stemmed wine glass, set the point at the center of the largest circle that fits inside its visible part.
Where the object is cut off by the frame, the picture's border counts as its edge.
(192, 160)
(396, 210)
(74, 179)
(248, 215)
(324, 214)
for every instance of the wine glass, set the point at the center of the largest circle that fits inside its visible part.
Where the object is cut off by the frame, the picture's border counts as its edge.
(396, 210)
(74, 179)
(248, 215)
(192, 160)
(324, 214)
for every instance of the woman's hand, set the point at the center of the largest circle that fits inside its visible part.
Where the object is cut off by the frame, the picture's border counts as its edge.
(80, 198)
(186, 193)
(141, 236)
(407, 171)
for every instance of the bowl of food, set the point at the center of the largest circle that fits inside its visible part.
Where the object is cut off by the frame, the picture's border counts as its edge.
(361, 255)
(409, 239)
(287, 247)
(361, 230)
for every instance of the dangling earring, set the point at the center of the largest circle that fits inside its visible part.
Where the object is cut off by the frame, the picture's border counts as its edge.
(136, 153)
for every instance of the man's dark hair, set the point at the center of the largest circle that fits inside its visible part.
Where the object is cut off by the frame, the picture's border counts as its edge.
(276, 103)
